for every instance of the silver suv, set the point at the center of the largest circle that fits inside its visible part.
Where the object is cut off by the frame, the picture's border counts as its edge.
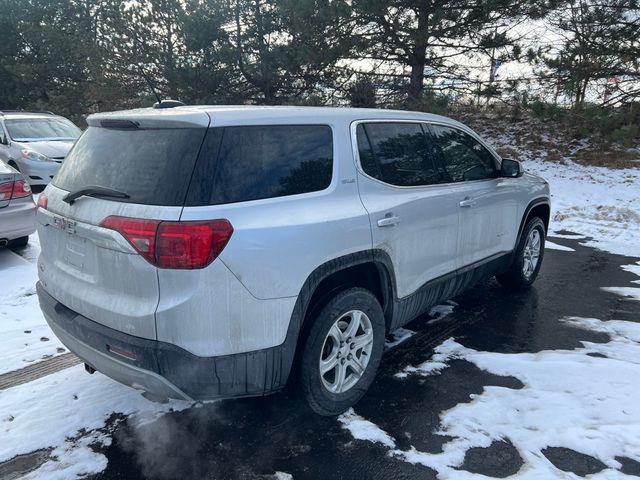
(35, 143)
(203, 252)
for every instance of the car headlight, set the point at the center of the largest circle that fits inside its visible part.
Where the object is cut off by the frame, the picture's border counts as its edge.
(31, 155)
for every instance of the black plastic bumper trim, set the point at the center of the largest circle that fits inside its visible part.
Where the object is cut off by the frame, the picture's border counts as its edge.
(244, 374)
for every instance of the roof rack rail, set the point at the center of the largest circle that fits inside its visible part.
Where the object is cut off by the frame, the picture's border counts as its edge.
(34, 112)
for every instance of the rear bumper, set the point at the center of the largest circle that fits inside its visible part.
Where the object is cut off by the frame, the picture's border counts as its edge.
(18, 219)
(160, 368)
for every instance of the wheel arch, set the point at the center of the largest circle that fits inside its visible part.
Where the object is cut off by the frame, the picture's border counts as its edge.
(540, 207)
(370, 269)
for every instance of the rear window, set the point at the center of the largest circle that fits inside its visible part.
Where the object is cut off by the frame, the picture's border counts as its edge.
(238, 164)
(152, 166)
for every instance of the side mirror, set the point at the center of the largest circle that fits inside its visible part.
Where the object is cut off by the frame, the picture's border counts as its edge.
(510, 168)
(3, 140)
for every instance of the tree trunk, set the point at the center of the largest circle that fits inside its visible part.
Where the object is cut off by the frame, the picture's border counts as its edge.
(418, 63)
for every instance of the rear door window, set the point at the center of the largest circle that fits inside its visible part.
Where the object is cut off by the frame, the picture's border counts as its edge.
(464, 158)
(239, 164)
(152, 166)
(396, 153)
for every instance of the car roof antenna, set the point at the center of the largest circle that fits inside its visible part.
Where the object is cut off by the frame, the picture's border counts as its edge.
(155, 93)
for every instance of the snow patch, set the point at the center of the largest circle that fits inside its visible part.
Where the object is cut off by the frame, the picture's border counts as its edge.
(26, 336)
(439, 312)
(629, 292)
(443, 353)
(362, 429)
(554, 246)
(283, 476)
(570, 399)
(397, 337)
(51, 411)
(635, 269)
(596, 202)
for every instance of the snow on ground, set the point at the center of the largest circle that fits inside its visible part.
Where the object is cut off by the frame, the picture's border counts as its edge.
(548, 244)
(443, 353)
(569, 399)
(398, 336)
(440, 312)
(596, 202)
(26, 337)
(629, 292)
(632, 293)
(51, 412)
(362, 429)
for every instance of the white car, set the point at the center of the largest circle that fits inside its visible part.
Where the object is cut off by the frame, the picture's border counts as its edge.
(35, 143)
(218, 247)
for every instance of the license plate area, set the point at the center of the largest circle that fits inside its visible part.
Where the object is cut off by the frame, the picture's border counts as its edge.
(64, 224)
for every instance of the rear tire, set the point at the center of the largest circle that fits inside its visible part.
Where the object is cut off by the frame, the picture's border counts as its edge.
(528, 257)
(342, 352)
(19, 242)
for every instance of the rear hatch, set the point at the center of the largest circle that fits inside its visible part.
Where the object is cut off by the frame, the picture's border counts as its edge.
(135, 164)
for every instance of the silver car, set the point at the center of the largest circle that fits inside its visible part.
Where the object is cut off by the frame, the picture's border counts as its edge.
(17, 210)
(217, 247)
(35, 143)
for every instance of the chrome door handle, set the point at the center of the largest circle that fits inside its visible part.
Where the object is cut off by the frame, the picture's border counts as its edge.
(467, 203)
(388, 221)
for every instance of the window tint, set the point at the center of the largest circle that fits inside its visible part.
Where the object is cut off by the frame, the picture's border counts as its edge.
(463, 156)
(152, 166)
(249, 163)
(368, 162)
(396, 153)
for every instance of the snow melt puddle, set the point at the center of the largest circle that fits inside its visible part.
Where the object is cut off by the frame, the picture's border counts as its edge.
(569, 399)
(66, 411)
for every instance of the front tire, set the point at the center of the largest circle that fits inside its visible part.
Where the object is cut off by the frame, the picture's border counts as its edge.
(528, 257)
(342, 352)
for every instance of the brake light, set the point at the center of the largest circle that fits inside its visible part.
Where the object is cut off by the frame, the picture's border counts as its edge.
(184, 245)
(43, 201)
(21, 189)
(17, 189)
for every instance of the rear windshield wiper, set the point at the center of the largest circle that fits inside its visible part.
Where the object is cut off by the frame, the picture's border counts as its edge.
(93, 191)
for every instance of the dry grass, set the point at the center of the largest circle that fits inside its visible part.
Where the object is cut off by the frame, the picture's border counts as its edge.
(608, 158)
(548, 141)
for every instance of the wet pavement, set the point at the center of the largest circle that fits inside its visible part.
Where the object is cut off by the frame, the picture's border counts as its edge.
(255, 438)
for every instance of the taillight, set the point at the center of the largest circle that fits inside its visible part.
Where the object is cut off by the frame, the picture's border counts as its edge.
(6, 190)
(21, 189)
(140, 233)
(17, 189)
(185, 245)
(43, 201)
